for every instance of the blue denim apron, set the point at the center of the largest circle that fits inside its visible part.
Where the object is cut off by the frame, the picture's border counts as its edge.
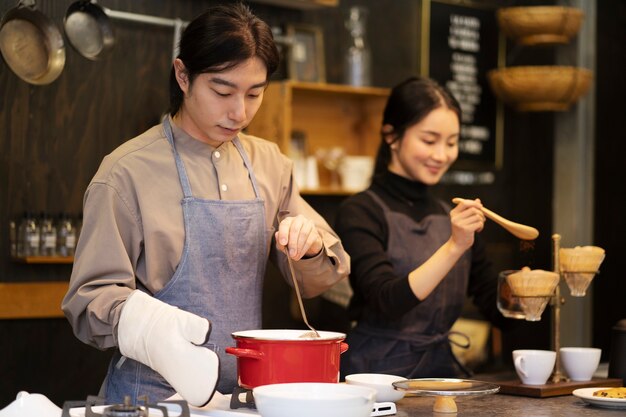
(417, 345)
(219, 277)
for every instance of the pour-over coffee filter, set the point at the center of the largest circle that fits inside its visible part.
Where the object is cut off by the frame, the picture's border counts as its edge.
(533, 282)
(579, 266)
(581, 259)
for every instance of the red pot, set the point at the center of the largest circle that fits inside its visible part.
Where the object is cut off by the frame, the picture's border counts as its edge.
(279, 356)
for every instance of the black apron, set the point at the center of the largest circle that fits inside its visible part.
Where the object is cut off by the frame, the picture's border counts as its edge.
(416, 345)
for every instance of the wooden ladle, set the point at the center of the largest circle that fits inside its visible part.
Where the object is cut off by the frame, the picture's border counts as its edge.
(516, 229)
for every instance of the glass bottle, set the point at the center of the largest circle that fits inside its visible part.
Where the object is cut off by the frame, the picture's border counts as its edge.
(48, 239)
(66, 235)
(358, 60)
(28, 236)
(13, 238)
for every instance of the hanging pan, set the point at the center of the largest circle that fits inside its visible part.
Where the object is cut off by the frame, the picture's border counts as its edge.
(88, 29)
(31, 44)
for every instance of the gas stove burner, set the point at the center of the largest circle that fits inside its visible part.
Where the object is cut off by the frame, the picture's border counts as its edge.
(123, 410)
(242, 398)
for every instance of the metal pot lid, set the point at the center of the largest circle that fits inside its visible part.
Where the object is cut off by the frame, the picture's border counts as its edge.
(32, 46)
(286, 335)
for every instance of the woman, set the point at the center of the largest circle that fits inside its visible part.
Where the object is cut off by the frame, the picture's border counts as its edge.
(414, 259)
(179, 223)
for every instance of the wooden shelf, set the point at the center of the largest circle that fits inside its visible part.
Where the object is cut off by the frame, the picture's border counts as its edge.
(45, 259)
(329, 115)
(32, 300)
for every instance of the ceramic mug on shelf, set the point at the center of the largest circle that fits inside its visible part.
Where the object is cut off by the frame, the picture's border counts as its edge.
(580, 363)
(534, 366)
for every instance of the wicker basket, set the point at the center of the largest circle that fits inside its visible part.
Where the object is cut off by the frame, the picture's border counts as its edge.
(540, 24)
(540, 88)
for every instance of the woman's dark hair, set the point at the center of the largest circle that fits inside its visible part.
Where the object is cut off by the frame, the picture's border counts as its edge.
(219, 39)
(408, 104)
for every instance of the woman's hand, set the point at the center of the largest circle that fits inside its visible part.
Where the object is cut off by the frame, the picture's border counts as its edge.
(300, 235)
(467, 218)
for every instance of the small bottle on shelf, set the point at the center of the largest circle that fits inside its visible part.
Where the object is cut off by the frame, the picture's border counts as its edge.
(13, 238)
(28, 236)
(48, 239)
(66, 236)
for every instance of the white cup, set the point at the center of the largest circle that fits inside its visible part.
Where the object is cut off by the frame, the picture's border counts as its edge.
(580, 363)
(534, 366)
(356, 172)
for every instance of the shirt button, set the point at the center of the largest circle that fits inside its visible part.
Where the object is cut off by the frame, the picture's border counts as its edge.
(224, 187)
(217, 154)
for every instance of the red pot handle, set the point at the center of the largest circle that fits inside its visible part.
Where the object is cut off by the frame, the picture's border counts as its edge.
(244, 353)
(343, 347)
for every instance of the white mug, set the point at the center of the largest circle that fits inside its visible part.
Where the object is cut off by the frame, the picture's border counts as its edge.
(534, 366)
(580, 363)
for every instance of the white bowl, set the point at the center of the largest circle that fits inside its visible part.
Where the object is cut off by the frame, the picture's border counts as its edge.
(382, 383)
(314, 399)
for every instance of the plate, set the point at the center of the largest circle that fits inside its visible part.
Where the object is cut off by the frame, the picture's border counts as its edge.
(586, 394)
(446, 386)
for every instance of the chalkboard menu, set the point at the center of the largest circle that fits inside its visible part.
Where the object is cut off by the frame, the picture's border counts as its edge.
(458, 49)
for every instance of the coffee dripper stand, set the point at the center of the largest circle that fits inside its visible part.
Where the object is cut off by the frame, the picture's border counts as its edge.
(557, 301)
(577, 281)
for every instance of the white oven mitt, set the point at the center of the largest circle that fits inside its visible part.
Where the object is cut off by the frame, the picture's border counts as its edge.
(166, 339)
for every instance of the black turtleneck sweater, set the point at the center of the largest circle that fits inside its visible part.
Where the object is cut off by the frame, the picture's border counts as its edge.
(363, 230)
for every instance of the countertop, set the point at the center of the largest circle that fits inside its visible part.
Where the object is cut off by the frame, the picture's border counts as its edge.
(496, 405)
(506, 406)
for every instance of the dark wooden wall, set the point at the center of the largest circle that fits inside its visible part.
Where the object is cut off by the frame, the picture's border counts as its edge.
(52, 139)
(609, 288)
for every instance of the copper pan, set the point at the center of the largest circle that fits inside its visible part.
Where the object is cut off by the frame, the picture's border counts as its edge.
(31, 44)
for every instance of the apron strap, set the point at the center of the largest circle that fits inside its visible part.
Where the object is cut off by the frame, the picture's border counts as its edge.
(248, 165)
(182, 173)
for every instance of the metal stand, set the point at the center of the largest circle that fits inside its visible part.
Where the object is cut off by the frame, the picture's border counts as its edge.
(557, 301)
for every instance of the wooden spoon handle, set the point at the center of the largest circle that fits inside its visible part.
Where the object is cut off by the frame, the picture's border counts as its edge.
(516, 229)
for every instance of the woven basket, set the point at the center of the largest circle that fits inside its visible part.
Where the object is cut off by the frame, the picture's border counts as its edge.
(540, 24)
(540, 88)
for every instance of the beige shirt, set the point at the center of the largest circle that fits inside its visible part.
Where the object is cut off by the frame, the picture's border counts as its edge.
(133, 233)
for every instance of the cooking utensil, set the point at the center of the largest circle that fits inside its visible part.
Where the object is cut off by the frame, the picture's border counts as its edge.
(88, 29)
(278, 356)
(516, 229)
(31, 44)
(313, 333)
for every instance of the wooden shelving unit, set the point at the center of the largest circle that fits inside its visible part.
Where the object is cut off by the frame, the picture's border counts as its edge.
(45, 259)
(329, 115)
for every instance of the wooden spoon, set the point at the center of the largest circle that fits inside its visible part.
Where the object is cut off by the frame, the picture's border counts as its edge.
(516, 229)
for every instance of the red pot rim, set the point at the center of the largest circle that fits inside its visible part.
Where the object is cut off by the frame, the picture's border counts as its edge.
(286, 335)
